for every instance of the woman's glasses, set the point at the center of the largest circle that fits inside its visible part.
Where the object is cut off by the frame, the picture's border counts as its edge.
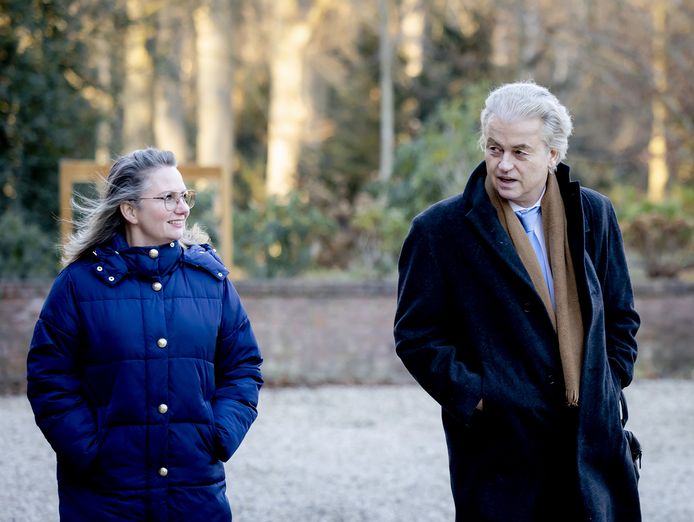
(171, 199)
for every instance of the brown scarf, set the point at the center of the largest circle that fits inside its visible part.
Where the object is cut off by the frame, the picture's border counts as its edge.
(566, 319)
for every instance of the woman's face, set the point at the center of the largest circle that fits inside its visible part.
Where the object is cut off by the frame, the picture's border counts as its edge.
(518, 161)
(148, 222)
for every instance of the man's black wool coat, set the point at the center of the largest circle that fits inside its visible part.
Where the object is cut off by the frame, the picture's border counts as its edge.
(469, 325)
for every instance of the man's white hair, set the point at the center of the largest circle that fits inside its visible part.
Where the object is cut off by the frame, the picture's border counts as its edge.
(524, 101)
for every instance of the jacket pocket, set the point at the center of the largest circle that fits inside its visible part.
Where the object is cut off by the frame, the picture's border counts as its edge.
(206, 436)
(209, 433)
(101, 433)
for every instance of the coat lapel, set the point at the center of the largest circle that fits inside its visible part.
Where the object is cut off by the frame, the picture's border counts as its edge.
(578, 227)
(481, 216)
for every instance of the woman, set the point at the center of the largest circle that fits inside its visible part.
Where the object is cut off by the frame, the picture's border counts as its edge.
(143, 371)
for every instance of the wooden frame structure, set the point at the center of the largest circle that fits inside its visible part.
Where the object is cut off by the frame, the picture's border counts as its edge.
(83, 171)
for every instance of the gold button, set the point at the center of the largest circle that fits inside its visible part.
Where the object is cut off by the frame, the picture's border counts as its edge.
(154, 253)
(156, 286)
(163, 408)
(163, 472)
(161, 343)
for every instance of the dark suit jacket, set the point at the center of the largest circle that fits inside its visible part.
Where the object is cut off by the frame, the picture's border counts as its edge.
(469, 325)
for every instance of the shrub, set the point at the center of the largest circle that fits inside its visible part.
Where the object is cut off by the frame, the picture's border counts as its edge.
(435, 165)
(25, 249)
(662, 234)
(279, 237)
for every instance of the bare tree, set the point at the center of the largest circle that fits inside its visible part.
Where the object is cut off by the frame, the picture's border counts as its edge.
(105, 105)
(215, 121)
(169, 116)
(292, 29)
(412, 24)
(658, 173)
(214, 84)
(137, 90)
(291, 34)
(387, 151)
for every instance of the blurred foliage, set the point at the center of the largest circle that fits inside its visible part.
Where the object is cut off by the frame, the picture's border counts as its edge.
(458, 57)
(26, 250)
(341, 216)
(662, 234)
(431, 160)
(42, 116)
(434, 165)
(334, 170)
(204, 213)
(250, 136)
(279, 237)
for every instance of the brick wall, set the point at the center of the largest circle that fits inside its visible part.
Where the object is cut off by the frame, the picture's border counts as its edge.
(318, 332)
(20, 304)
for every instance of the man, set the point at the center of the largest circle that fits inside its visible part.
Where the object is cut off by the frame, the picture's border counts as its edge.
(515, 312)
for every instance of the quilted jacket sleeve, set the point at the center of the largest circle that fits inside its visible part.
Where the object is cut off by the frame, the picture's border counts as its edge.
(54, 385)
(237, 376)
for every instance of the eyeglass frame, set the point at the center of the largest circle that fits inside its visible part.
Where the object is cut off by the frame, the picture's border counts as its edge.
(177, 197)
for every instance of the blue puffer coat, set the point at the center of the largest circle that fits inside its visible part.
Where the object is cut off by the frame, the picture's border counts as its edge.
(143, 375)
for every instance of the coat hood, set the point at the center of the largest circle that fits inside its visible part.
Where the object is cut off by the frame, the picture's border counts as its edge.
(112, 261)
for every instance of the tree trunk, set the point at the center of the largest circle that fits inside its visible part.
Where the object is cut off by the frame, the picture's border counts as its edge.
(104, 131)
(504, 38)
(412, 36)
(288, 111)
(215, 128)
(531, 37)
(137, 89)
(169, 117)
(387, 105)
(658, 173)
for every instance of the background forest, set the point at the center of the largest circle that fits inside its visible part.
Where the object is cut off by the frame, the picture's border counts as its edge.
(339, 120)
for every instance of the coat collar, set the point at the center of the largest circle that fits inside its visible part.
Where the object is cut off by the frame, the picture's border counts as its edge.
(205, 257)
(114, 260)
(577, 226)
(480, 213)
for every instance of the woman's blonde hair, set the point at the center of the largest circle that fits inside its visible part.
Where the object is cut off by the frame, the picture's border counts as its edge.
(100, 219)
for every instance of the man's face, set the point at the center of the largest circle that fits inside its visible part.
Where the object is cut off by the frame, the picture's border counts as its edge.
(518, 161)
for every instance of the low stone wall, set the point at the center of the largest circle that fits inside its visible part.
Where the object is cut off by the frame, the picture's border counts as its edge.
(666, 336)
(315, 332)
(20, 304)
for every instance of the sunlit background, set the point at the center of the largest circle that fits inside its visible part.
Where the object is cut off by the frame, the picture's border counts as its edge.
(338, 120)
(333, 123)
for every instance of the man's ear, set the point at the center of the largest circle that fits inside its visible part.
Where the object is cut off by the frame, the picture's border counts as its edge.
(129, 212)
(553, 158)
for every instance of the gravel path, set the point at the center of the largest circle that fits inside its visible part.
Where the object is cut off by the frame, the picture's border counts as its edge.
(378, 454)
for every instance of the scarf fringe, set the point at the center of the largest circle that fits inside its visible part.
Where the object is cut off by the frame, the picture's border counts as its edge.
(572, 398)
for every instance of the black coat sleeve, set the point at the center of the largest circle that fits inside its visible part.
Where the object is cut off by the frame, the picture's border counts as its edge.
(621, 319)
(422, 333)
